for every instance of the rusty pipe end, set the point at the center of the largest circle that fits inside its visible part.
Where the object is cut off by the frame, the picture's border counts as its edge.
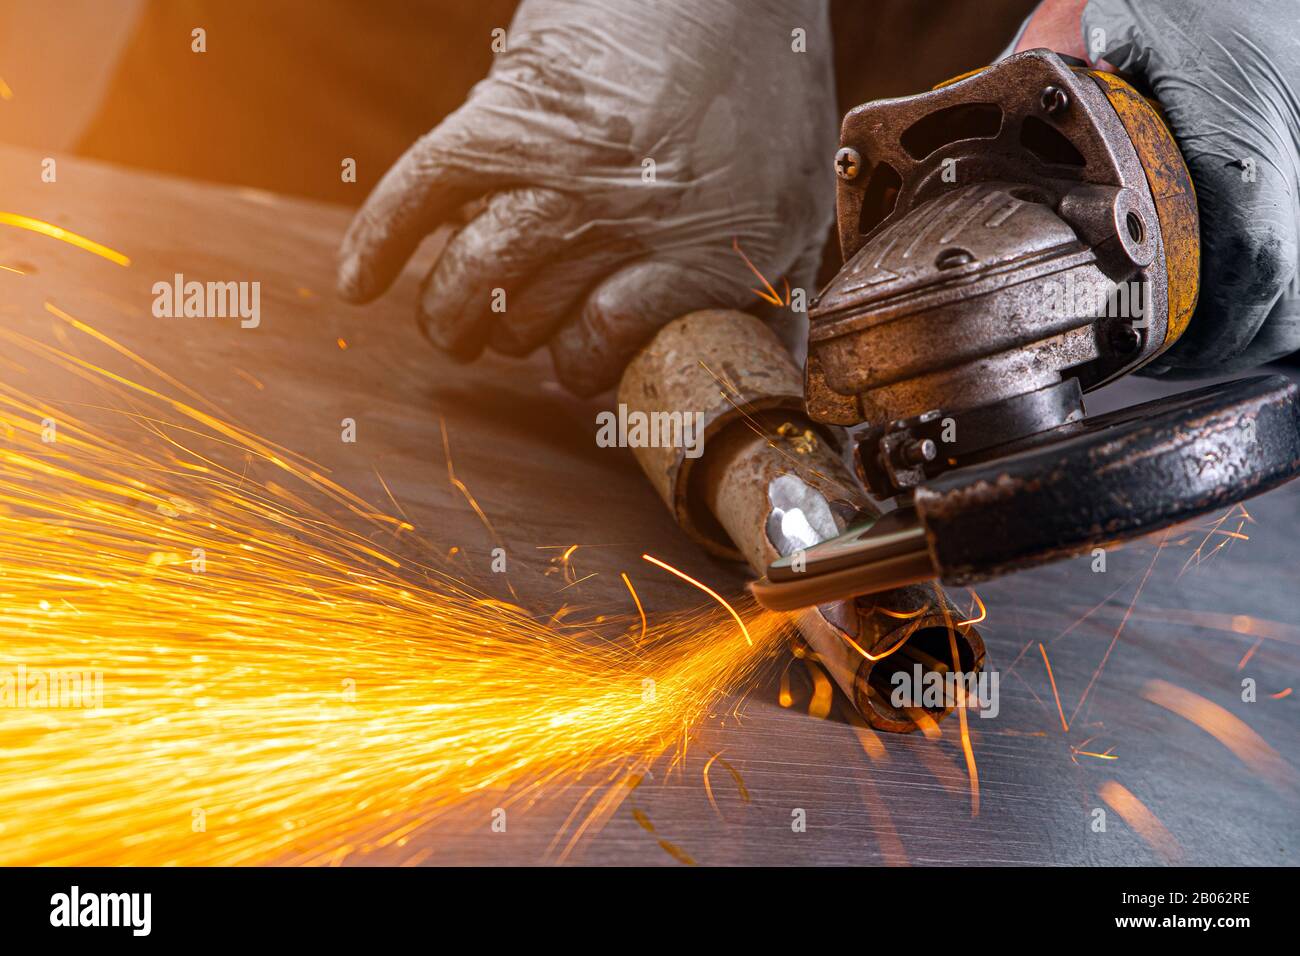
(913, 656)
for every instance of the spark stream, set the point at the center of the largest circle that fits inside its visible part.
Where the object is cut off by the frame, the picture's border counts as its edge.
(300, 694)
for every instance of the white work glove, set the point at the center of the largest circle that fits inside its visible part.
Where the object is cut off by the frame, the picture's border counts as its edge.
(1227, 76)
(558, 143)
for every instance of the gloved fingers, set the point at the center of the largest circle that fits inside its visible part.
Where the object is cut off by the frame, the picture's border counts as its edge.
(621, 315)
(1231, 108)
(789, 321)
(472, 282)
(1278, 336)
(1249, 254)
(1113, 28)
(424, 188)
(553, 293)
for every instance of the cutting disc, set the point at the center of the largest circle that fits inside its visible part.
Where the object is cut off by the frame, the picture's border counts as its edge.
(1062, 492)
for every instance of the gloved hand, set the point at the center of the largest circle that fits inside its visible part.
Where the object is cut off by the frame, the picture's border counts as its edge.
(1227, 76)
(617, 147)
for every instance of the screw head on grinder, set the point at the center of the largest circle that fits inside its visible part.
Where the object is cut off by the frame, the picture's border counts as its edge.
(848, 163)
(1055, 100)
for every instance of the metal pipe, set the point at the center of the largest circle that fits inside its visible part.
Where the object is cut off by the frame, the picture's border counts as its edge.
(768, 482)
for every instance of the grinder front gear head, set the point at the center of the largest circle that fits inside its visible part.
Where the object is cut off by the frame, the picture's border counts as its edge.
(1013, 239)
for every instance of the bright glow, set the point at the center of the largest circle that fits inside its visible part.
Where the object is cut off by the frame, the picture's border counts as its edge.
(1140, 820)
(707, 590)
(281, 680)
(63, 235)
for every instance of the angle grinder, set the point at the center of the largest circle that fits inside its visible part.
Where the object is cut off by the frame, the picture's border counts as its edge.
(1013, 239)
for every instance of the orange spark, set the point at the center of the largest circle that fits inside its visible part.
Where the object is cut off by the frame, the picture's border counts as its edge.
(819, 705)
(1198, 555)
(903, 615)
(913, 616)
(707, 590)
(708, 787)
(305, 692)
(767, 293)
(872, 745)
(1140, 820)
(1243, 624)
(982, 614)
(639, 609)
(460, 485)
(248, 378)
(1280, 694)
(891, 845)
(1050, 677)
(579, 580)
(342, 343)
(63, 235)
(5, 92)
(1120, 630)
(863, 651)
(925, 723)
(1225, 727)
(1090, 753)
(566, 563)
(1245, 658)
(735, 776)
(1080, 752)
(967, 748)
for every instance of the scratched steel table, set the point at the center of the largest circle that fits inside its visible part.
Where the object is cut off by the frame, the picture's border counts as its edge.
(1158, 742)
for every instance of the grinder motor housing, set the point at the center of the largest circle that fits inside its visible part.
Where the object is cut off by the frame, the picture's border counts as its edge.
(988, 221)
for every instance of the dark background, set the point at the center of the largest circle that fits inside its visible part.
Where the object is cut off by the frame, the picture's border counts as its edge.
(284, 84)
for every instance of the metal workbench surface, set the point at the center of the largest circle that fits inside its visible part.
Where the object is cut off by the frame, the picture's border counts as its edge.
(1161, 615)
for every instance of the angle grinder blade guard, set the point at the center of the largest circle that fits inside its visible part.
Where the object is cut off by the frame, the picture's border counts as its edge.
(1062, 492)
